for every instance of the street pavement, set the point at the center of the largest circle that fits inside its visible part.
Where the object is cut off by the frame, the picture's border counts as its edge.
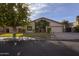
(72, 45)
(37, 48)
(63, 44)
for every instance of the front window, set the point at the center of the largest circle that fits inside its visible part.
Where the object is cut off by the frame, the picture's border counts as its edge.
(29, 28)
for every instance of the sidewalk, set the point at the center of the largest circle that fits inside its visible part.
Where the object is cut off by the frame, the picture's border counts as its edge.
(19, 38)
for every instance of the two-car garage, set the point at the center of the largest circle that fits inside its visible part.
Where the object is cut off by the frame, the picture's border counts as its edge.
(57, 29)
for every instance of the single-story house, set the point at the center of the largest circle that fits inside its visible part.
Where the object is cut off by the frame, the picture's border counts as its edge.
(54, 25)
(39, 25)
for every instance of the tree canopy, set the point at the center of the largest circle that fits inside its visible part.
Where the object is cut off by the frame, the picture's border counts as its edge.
(14, 14)
(65, 23)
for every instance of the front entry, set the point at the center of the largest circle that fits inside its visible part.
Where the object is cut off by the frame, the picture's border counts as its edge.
(38, 29)
(7, 30)
(41, 25)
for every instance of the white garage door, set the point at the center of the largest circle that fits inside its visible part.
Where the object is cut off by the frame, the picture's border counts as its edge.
(57, 29)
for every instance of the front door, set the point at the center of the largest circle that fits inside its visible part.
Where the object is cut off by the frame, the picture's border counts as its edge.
(7, 30)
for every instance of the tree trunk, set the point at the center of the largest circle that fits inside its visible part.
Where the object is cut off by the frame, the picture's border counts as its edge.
(4, 30)
(14, 36)
(14, 33)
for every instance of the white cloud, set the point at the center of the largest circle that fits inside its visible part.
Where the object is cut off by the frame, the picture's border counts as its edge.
(37, 9)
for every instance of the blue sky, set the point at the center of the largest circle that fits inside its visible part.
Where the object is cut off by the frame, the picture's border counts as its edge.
(55, 11)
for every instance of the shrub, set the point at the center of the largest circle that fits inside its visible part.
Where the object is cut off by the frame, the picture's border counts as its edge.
(49, 30)
(76, 29)
(68, 29)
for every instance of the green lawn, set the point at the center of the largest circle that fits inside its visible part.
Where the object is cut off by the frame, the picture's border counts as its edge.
(25, 35)
(17, 35)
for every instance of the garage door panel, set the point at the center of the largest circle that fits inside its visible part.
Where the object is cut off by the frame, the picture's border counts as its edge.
(57, 29)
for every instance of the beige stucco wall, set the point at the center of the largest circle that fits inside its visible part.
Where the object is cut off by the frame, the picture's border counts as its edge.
(33, 25)
(10, 29)
(55, 24)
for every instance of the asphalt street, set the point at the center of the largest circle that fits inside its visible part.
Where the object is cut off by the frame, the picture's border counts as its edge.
(36, 48)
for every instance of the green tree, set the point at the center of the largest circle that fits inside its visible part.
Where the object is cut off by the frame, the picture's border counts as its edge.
(2, 15)
(14, 14)
(41, 25)
(76, 28)
(66, 25)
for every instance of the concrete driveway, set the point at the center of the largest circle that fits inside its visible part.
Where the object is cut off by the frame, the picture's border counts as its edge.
(66, 36)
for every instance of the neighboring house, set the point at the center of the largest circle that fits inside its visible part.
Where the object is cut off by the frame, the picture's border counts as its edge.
(76, 22)
(19, 29)
(75, 27)
(33, 27)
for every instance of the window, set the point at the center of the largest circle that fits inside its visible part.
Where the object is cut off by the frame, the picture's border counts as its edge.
(19, 30)
(29, 28)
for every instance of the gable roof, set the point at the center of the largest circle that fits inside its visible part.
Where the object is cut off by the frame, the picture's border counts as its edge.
(44, 18)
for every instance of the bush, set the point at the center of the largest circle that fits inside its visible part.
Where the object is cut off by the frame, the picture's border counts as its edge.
(68, 29)
(49, 30)
(76, 29)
